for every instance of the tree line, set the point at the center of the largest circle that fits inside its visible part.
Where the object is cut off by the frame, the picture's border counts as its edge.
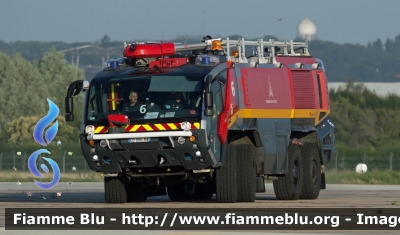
(24, 90)
(375, 62)
(365, 122)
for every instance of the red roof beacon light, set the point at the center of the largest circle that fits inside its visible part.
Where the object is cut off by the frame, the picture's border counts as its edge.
(149, 50)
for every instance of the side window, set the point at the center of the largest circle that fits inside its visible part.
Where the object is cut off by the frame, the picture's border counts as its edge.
(93, 108)
(218, 92)
(223, 74)
(217, 97)
(216, 89)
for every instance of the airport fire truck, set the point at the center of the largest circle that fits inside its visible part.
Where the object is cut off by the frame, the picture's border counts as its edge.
(215, 117)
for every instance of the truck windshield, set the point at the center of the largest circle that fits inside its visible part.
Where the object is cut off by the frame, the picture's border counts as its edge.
(146, 98)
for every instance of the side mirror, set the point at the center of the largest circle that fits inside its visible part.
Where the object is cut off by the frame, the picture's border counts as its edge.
(208, 103)
(208, 112)
(69, 117)
(69, 109)
(74, 89)
(69, 105)
(207, 82)
(208, 100)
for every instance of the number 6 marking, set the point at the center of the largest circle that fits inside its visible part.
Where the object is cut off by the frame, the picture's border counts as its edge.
(233, 88)
(142, 109)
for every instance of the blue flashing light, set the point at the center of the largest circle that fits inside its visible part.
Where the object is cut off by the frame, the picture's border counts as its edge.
(113, 64)
(207, 60)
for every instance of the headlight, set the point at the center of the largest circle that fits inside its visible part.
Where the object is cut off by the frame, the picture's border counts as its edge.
(95, 158)
(103, 143)
(89, 129)
(181, 140)
(186, 125)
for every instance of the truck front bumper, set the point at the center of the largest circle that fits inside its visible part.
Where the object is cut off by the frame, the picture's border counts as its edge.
(195, 155)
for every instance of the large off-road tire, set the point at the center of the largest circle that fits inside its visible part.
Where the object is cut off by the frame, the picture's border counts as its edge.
(204, 191)
(114, 188)
(135, 193)
(226, 183)
(182, 192)
(312, 171)
(246, 173)
(289, 186)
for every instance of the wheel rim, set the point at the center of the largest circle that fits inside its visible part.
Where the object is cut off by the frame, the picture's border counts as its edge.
(313, 172)
(296, 173)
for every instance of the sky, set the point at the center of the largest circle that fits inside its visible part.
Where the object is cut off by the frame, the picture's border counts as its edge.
(339, 21)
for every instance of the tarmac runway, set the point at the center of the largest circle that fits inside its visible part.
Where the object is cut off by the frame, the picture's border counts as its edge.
(91, 195)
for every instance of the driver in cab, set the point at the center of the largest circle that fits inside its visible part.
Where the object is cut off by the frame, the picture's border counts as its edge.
(133, 105)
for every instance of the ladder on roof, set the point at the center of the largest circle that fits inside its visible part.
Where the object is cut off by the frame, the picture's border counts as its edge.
(272, 47)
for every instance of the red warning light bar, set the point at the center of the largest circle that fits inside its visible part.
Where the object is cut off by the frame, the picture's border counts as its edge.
(149, 50)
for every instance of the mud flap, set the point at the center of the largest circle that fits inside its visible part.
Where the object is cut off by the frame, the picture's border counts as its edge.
(326, 137)
(323, 184)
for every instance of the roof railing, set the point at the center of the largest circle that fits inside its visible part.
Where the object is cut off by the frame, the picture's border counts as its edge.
(260, 47)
